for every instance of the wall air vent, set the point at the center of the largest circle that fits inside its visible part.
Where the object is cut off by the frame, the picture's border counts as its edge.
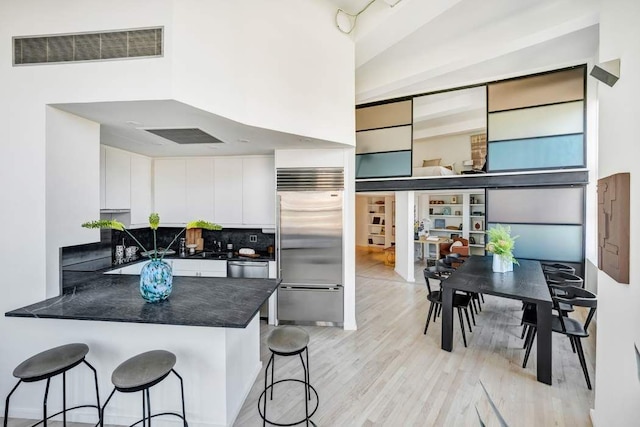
(186, 136)
(95, 46)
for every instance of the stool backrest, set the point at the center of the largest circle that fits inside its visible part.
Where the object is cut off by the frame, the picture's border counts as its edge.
(562, 278)
(434, 273)
(555, 267)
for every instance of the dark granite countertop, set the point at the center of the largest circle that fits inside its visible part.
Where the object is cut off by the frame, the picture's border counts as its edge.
(195, 301)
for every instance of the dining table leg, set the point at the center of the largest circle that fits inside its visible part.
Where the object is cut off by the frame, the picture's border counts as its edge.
(447, 318)
(544, 341)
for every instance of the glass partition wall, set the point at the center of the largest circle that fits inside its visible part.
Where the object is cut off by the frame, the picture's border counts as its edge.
(530, 123)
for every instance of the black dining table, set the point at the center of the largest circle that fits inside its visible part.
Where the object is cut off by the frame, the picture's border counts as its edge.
(525, 283)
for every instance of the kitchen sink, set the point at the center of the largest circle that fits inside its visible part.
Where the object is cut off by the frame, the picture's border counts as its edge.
(211, 255)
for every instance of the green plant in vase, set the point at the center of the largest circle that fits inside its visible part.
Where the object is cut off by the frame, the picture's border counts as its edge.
(501, 245)
(156, 277)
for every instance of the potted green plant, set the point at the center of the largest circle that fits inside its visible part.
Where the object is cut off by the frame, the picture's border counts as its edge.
(156, 277)
(501, 245)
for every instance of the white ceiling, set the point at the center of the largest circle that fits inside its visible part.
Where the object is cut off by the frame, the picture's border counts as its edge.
(414, 47)
(123, 124)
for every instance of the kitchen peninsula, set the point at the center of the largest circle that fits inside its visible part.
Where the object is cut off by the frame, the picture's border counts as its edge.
(211, 324)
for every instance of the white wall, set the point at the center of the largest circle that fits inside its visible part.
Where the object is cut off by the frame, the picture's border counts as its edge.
(405, 201)
(617, 385)
(72, 193)
(278, 65)
(305, 91)
(362, 220)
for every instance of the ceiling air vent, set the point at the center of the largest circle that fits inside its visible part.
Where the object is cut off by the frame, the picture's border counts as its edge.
(77, 47)
(186, 136)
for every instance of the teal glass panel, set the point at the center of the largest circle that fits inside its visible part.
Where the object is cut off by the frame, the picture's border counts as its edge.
(378, 165)
(547, 242)
(537, 153)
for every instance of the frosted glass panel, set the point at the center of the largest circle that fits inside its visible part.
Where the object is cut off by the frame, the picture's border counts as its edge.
(560, 86)
(558, 119)
(390, 139)
(547, 242)
(379, 116)
(537, 153)
(397, 163)
(536, 205)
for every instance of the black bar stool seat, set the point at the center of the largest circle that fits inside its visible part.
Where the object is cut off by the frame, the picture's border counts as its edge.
(288, 341)
(48, 364)
(140, 373)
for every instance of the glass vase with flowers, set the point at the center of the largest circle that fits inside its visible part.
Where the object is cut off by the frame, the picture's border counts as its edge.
(501, 245)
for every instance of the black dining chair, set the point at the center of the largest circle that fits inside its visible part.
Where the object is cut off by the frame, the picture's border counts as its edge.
(564, 324)
(460, 301)
(453, 261)
(550, 268)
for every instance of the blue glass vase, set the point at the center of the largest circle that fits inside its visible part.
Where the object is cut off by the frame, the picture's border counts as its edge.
(156, 281)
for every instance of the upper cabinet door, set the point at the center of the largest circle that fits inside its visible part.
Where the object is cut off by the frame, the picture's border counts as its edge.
(140, 190)
(228, 190)
(169, 188)
(199, 190)
(258, 191)
(117, 179)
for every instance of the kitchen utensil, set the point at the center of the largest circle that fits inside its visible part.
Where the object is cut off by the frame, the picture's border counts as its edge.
(246, 251)
(192, 248)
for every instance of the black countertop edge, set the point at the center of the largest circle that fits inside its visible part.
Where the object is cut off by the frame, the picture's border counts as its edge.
(195, 301)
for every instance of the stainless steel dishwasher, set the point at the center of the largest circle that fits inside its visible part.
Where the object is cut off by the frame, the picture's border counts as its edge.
(250, 270)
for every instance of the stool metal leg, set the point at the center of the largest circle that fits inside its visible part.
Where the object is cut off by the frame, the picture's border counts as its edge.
(105, 405)
(144, 410)
(306, 391)
(264, 407)
(6, 405)
(64, 399)
(273, 367)
(44, 402)
(148, 408)
(184, 412)
(308, 373)
(95, 377)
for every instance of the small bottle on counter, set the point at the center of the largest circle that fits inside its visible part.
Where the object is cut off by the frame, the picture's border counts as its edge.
(229, 246)
(183, 247)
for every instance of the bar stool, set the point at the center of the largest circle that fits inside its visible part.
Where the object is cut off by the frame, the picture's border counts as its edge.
(288, 341)
(48, 364)
(140, 373)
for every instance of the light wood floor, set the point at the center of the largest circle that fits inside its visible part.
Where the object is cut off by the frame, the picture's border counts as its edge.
(387, 373)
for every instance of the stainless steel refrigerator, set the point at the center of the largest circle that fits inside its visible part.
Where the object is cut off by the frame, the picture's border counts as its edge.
(309, 245)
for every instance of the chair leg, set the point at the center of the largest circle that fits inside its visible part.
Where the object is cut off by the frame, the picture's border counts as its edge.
(44, 402)
(95, 377)
(184, 412)
(464, 338)
(308, 373)
(482, 297)
(473, 318)
(264, 407)
(583, 362)
(104, 407)
(144, 409)
(529, 345)
(466, 313)
(273, 367)
(426, 326)
(148, 408)
(64, 399)
(439, 309)
(524, 331)
(526, 340)
(306, 391)
(573, 347)
(6, 404)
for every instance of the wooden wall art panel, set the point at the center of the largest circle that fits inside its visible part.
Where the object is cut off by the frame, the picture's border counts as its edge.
(613, 226)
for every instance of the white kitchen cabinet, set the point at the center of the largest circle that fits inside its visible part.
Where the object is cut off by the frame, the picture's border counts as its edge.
(117, 179)
(258, 191)
(199, 189)
(140, 190)
(198, 268)
(170, 183)
(228, 191)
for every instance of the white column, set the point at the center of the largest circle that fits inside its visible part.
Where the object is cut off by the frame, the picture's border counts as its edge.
(405, 201)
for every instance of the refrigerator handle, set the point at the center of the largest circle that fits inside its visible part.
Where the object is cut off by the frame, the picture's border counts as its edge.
(278, 258)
